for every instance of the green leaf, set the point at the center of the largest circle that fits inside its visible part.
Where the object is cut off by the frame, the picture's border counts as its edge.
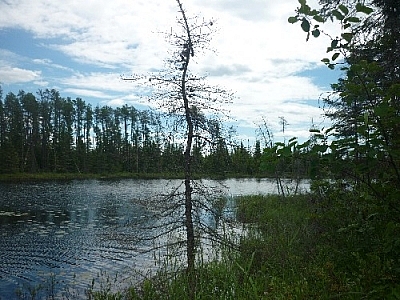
(318, 18)
(316, 33)
(334, 43)
(336, 55)
(337, 15)
(353, 20)
(302, 2)
(347, 36)
(292, 20)
(329, 130)
(305, 25)
(331, 66)
(304, 9)
(314, 130)
(326, 60)
(344, 9)
(363, 9)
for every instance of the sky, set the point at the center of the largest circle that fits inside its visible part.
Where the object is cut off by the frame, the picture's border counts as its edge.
(82, 48)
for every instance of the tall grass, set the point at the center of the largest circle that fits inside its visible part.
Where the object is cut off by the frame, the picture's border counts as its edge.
(294, 248)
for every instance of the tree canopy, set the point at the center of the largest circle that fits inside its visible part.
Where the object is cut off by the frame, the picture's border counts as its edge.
(361, 161)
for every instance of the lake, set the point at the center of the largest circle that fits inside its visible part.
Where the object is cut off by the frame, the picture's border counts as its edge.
(61, 235)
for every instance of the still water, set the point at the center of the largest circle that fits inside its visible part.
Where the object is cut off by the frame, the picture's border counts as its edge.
(61, 235)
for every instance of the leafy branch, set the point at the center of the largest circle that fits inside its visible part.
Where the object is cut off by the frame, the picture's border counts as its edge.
(349, 18)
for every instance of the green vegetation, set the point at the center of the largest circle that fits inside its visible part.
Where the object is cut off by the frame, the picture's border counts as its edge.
(52, 136)
(320, 248)
(45, 140)
(49, 133)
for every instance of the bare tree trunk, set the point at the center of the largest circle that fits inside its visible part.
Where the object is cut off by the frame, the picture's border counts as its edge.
(190, 238)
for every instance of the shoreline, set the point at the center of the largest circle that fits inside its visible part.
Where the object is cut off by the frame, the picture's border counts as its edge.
(34, 177)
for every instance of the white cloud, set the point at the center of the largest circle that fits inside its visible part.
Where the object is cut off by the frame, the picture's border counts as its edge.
(100, 32)
(85, 92)
(49, 63)
(111, 82)
(11, 75)
(42, 83)
(118, 102)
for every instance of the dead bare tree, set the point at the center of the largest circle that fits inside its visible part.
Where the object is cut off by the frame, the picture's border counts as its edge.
(193, 103)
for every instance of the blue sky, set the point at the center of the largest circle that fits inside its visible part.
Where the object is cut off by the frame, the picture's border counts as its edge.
(82, 49)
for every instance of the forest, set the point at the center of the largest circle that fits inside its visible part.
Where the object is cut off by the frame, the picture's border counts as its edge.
(51, 133)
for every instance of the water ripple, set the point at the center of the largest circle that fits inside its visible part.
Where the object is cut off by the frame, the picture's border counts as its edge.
(71, 231)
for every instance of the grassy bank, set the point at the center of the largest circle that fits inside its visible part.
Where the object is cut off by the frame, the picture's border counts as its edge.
(276, 260)
(272, 261)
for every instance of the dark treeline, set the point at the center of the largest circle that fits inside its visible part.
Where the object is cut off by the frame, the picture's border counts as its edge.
(49, 133)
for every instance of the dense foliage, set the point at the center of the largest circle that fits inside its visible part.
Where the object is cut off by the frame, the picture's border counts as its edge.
(361, 165)
(50, 133)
